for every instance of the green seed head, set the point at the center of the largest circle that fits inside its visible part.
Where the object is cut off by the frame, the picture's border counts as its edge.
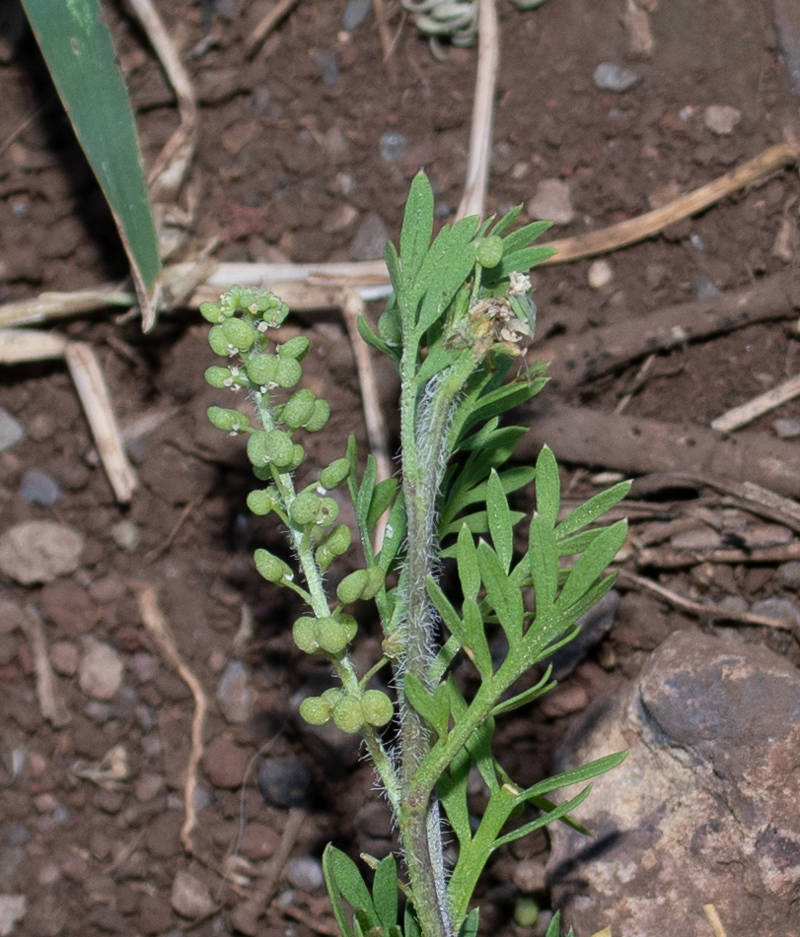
(230, 420)
(332, 695)
(315, 710)
(526, 912)
(211, 312)
(349, 624)
(334, 474)
(376, 708)
(288, 372)
(304, 635)
(217, 377)
(271, 567)
(239, 334)
(347, 715)
(261, 369)
(279, 448)
(331, 636)
(350, 589)
(328, 512)
(319, 417)
(298, 408)
(338, 542)
(305, 508)
(262, 501)
(296, 347)
(219, 344)
(374, 582)
(256, 448)
(489, 251)
(298, 454)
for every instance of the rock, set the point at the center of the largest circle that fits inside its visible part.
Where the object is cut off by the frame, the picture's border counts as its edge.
(284, 782)
(617, 78)
(789, 575)
(328, 62)
(370, 239)
(721, 119)
(392, 146)
(703, 288)
(564, 700)
(100, 671)
(225, 763)
(126, 535)
(259, 841)
(704, 806)
(601, 273)
(155, 915)
(68, 606)
(190, 897)
(39, 551)
(305, 873)
(12, 910)
(701, 538)
(786, 429)
(552, 202)
(11, 430)
(143, 666)
(779, 609)
(11, 616)
(148, 786)
(64, 656)
(233, 693)
(529, 876)
(39, 488)
(355, 13)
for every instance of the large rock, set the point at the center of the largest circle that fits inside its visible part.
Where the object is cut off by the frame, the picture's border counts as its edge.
(703, 810)
(39, 551)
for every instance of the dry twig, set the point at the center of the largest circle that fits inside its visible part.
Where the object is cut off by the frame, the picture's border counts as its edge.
(387, 44)
(266, 25)
(51, 702)
(747, 412)
(669, 558)
(159, 630)
(325, 926)
(713, 920)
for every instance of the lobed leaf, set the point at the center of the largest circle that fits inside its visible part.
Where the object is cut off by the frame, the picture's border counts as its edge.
(499, 517)
(506, 602)
(384, 892)
(548, 486)
(415, 235)
(590, 511)
(593, 562)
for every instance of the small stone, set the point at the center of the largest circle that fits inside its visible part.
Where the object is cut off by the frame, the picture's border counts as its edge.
(39, 551)
(11, 616)
(328, 62)
(701, 538)
(155, 915)
(392, 146)
(148, 786)
(305, 873)
(340, 218)
(259, 841)
(48, 875)
(789, 575)
(786, 429)
(143, 666)
(655, 275)
(355, 13)
(703, 288)
(233, 693)
(722, 119)
(600, 274)
(734, 604)
(370, 240)
(225, 763)
(39, 488)
(552, 202)
(12, 910)
(11, 430)
(565, 700)
(779, 609)
(697, 243)
(617, 78)
(529, 876)
(18, 835)
(100, 671)
(190, 897)
(126, 535)
(64, 656)
(284, 782)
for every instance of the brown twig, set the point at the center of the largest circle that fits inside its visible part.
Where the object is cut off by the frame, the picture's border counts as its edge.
(159, 630)
(713, 919)
(669, 558)
(387, 43)
(159, 550)
(747, 412)
(266, 25)
(51, 702)
(325, 926)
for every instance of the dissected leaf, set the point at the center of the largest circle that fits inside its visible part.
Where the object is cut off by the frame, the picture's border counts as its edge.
(382, 497)
(592, 564)
(499, 517)
(384, 892)
(543, 560)
(468, 570)
(548, 486)
(417, 229)
(590, 511)
(506, 602)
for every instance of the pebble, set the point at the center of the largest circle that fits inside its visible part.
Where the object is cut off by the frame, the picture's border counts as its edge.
(148, 786)
(284, 782)
(370, 240)
(655, 275)
(355, 13)
(64, 656)
(786, 429)
(734, 604)
(259, 841)
(126, 535)
(40, 551)
(143, 666)
(779, 609)
(697, 243)
(392, 145)
(601, 273)
(552, 202)
(155, 915)
(39, 488)
(12, 910)
(722, 119)
(190, 897)
(225, 763)
(789, 575)
(233, 693)
(703, 288)
(610, 77)
(328, 62)
(565, 700)
(11, 616)
(100, 671)
(18, 835)
(701, 538)
(11, 430)
(305, 873)
(530, 876)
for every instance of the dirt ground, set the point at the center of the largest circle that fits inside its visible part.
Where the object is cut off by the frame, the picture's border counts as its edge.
(290, 164)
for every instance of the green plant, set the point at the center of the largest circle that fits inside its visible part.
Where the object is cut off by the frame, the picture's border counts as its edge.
(455, 328)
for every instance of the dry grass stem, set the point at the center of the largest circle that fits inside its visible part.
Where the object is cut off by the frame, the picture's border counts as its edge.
(387, 44)
(747, 412)
(669, 558)
(51, 702)
(20, 345)
(713, 920)
(96, 401)
(47, 306)
(159, 630)
(325, 926)
(267, 24)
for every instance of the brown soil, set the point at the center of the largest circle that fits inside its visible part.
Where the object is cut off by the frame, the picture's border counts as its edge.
(283, 159)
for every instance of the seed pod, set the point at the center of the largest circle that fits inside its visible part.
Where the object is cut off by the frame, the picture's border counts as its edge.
(271, 567)
(320, 416)
(262, 501)
(376, 708)
(330, 635)
(257, 449)
(211, 312)
(335, 473)
(239, 333)
(303, 633)
(265, 300)
(347, 715)
(374, 582)
(247, 298)
(328, 512)
(332, 694)
(350, 626)
(305, 508)
(230, 420)
(323, 557)
(489, 251)
(218, 342)
(216, 377)
(296, 347)
(338, 541)
(315, 711)
(288, 372)
(351, 587)
(298, 408)
(261, 369)
(278, 447)
(298, 454)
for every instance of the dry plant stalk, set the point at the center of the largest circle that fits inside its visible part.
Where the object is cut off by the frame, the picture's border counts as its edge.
(747, 412)
(51, 702)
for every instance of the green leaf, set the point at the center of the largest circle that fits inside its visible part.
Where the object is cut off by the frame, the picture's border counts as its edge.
(548, 486)
(587, 513)
(449, 615)
(343, 879)
(382, 497)
(411, 926)
(394, 534)
(443, 278)
(433, 709)
(476, 638)
(592, 564)
(499, 517)
(452, 791)
(384, 892)
(506, 602)
(366, 490)
(415, 236)
(522, 261)
(469, 927)
(527, 696)
(557, 813)
(76, 44)
(505, 222)
(437, 360)
(393, 266)
(575, 776)
(365, 331)
(524, 236)
(543, 560)
(577, 543)
(468, 571)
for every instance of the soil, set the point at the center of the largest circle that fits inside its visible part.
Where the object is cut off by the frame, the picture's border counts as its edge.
(290, 164)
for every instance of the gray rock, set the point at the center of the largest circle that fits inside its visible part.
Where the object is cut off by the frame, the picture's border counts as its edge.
(190, 897)
(284, 782)
(789, 575)
(552, 202)
(328, 62)
(233, 693)
(610, 77)
(392, 145)
(703, 288)
(370, 240)
(39, 488)
(779, 609)
(722, 119)
(19, 834)
(786, 429)
(703, 808)
(39, 551)
(355, 13)
(100, 671)
(126, 535)
(11, 430)
(12, 910)
(305, 873)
